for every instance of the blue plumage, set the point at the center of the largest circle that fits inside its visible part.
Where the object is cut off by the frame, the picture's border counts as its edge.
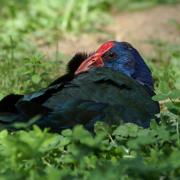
(128, 61)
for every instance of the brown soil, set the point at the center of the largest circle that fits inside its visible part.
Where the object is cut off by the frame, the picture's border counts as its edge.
(135, 27)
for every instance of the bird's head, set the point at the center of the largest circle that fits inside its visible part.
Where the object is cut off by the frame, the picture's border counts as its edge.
(122, 57)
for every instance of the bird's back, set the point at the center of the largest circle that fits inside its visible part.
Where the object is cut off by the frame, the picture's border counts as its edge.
(100, 95)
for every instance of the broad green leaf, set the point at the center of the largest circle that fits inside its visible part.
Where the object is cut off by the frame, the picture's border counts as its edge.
(126, 130)
(160, 97)
(175, 94)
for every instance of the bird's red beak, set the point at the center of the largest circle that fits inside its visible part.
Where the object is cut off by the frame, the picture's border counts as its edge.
(96, 59)
(93, 61)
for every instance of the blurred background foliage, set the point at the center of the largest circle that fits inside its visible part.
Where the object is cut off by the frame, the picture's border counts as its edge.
(54, 17)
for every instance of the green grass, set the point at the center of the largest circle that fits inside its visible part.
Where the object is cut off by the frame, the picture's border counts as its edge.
(24, 69)
(124, 152)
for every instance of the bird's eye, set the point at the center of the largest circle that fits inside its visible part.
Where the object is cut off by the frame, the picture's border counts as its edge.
(109, 56)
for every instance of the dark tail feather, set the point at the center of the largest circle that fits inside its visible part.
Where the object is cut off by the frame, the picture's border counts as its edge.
(7, 104)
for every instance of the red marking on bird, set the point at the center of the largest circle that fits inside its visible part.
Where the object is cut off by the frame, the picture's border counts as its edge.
(105, 47)
(96, 59)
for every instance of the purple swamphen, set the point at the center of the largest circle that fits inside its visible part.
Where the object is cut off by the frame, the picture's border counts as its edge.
(112, 85)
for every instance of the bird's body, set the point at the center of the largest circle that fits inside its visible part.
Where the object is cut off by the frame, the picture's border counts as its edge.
(112, 94)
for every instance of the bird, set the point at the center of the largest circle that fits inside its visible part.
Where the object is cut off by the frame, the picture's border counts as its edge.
(113, 85)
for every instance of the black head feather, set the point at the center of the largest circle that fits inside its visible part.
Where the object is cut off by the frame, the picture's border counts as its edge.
(72, 66)
(75, 62)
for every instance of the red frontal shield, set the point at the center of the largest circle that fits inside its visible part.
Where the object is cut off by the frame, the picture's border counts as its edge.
(96, 59)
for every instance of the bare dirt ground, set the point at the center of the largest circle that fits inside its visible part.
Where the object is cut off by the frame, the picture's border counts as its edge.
(158, 23)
